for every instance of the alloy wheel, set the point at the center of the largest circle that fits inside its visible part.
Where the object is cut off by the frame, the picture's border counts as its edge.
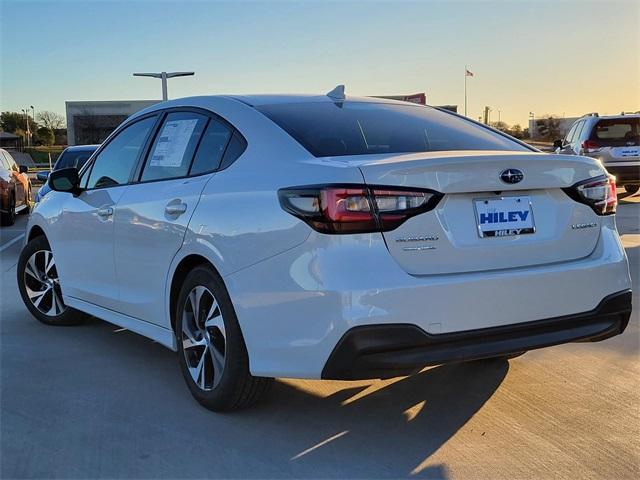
(42, 285)
(203, 338)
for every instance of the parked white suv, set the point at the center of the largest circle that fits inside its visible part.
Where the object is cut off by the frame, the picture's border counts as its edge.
(612, 140)
(325, 237)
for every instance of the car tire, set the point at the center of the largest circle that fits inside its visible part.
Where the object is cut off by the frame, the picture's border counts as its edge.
(631, 189)
(39, 287)
(8, 218)
(211, 350)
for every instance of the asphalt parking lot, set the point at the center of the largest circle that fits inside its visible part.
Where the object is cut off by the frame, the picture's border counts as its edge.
(98, 401)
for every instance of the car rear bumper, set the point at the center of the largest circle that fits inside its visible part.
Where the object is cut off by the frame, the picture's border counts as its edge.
(625, 174)
(295, 307)
(383, 351)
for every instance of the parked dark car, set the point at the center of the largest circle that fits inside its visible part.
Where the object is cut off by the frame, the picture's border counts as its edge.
(15, 189)
(75, 156)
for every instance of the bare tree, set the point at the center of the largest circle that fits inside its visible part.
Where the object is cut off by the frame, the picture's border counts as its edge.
(51, 120)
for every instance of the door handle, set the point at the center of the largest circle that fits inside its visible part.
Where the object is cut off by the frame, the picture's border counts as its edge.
(105, 212)
(175, 208)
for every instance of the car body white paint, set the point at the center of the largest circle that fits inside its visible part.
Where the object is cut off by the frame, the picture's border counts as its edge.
(297, 291)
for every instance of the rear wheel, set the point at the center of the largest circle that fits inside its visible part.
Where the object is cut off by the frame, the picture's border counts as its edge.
(9, 217)
(631, 188)
(211, 351)
(39, 286)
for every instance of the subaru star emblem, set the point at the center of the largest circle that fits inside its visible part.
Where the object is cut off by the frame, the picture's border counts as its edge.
(511, 175)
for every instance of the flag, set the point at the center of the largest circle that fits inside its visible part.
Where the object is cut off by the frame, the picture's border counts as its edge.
(467, 73)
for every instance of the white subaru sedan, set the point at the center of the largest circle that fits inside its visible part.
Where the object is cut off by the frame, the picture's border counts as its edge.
(326, 237)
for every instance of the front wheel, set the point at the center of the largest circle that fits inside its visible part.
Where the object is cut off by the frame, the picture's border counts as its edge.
(211, 350)
(39, 286)
(631, 189)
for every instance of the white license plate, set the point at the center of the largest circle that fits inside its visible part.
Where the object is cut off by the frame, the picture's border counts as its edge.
(504, 216)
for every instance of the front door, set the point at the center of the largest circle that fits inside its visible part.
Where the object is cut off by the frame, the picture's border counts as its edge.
(83, 233)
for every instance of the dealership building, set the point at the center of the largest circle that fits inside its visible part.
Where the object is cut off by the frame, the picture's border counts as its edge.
(92, 122)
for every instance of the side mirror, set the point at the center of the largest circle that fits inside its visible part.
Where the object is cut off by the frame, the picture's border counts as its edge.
(557, 144)
(23, 169)
(65, 180)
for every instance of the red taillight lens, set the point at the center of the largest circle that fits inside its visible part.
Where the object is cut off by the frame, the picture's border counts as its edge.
(590, 146)
(599, 193)
(354, 208)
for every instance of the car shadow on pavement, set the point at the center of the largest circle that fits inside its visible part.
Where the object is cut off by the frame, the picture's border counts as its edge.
(396, 427)
(116, 406)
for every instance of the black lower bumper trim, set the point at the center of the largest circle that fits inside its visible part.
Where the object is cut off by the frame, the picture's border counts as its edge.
(383, 351)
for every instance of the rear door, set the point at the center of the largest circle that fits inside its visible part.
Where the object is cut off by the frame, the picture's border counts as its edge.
(483, 223)
(152, 216)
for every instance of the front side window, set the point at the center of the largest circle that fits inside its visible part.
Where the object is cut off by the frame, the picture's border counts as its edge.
(174, 146)
(578, 132)
(115, 163)
(571, 134)
(358, 128)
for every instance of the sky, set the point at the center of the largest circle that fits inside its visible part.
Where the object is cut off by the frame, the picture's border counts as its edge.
(562, 57)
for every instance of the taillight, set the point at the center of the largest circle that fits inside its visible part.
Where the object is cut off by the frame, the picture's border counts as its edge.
(355, 208)
(599, 193)
(590, 146)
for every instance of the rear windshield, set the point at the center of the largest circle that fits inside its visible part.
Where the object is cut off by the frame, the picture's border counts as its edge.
(350, 128)
(617, 131)
(75, 159)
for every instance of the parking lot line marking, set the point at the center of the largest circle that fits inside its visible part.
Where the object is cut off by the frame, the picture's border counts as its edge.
(11, 242)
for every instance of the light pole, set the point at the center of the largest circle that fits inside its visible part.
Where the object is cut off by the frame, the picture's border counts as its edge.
(499, 115)
(26, 121)
(163, 76)
(532, 126)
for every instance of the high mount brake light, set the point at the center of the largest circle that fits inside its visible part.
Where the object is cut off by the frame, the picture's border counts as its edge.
(354, 208)
(599, 193)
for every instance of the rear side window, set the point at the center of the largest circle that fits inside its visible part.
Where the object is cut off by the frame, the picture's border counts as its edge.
(354, 128)
(617, 131)
(236, 147)
(174, 146)
(115, 163)
(212, 147)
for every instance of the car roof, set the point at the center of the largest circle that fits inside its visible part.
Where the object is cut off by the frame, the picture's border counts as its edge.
(274, 99)
(80, 148)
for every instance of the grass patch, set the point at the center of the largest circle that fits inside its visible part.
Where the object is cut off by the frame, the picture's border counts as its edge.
(40, 155)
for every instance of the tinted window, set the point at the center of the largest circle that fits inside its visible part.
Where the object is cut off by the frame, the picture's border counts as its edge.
(618, 131)
(174, 146)
(115, 163)
(571, 133)
(330, 129)
(576, 135)
(236, 147)
(72, 158)
(212, 147)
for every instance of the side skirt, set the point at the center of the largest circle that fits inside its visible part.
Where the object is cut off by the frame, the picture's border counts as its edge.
(163, 336)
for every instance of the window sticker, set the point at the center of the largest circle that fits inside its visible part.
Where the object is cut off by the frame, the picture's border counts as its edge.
(172, 143)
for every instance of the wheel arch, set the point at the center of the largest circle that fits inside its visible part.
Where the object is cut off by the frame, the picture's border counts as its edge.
(34, 232)
(184, 266)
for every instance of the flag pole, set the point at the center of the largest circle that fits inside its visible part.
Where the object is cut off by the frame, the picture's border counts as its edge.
(465, 90)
